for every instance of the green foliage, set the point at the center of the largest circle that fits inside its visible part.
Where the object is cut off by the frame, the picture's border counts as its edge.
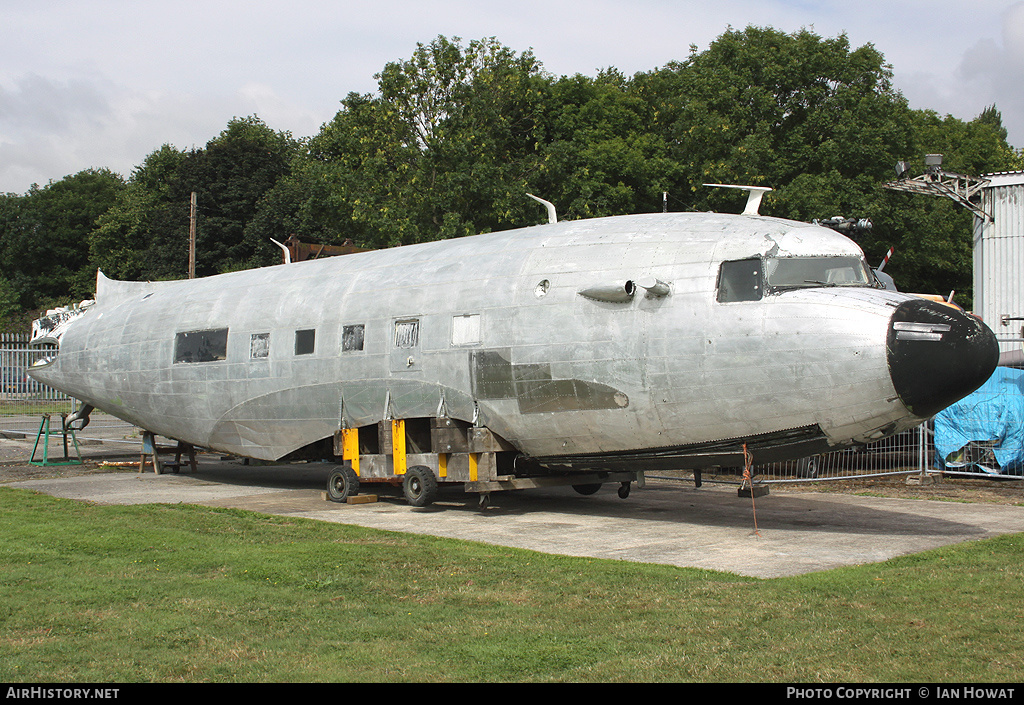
(137, 237)
(444, 150)
(763, 107)
(9, 304)
(145, 234)
(458, 133)
(600, 157)
(821, 123)
(230, 177)
(44, 240)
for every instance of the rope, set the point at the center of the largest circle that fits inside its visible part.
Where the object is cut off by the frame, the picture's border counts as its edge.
(747, 462)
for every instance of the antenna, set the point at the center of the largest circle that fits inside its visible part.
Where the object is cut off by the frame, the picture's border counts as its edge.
(754, 194)
(552, 215)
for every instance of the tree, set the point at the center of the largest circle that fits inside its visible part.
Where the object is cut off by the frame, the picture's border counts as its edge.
(230, 177)
(821, 123)
(44, 242)
(445, 149)
(763, 107)
(600, 156)
(139, 235)
(146, 234)
(357, 179)
(933, 237)
(459, 133)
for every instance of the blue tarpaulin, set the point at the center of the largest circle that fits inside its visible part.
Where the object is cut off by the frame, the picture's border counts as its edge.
(985, 429)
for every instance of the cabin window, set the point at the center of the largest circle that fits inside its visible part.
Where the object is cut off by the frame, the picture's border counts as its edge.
(305, 341)
(740, 281)
(407, 333)
(466, 329)
(352, 338)
(201, 346)
(259, 346)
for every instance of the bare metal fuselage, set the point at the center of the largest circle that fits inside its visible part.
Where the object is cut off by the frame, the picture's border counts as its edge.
(516, 331)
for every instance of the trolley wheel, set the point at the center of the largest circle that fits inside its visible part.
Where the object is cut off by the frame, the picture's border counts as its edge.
(587, 489)
(624, 490)
(419, 486)
(342, 484)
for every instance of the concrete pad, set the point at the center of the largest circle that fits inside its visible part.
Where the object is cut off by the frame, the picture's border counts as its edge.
(667, 522)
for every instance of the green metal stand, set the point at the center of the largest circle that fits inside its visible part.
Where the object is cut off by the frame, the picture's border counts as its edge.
(44, 432)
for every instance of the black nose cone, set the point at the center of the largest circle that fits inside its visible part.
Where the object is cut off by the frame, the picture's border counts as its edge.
(937, 355)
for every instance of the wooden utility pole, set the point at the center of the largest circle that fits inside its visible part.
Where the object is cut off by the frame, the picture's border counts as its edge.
(192, 237)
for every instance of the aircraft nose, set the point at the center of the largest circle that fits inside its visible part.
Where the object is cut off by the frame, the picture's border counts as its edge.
(937, 355)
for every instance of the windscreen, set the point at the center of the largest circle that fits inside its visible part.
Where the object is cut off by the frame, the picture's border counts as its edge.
(786, 273)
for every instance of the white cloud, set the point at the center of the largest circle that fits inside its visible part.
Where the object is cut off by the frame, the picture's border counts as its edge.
(961, 59)
(989, 73)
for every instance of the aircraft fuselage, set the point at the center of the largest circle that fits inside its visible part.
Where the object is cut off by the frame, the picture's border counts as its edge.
(634, 339)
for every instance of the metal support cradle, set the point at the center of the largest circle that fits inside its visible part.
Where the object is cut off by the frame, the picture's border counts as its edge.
(46, 433)
(151, 449)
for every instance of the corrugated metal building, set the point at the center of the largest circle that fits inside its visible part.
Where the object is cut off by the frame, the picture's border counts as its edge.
(999, 258)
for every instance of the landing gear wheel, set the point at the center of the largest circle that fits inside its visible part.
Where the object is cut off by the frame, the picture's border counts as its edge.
(419, 486)
(342, 484)
(624, 490)
(587, 489)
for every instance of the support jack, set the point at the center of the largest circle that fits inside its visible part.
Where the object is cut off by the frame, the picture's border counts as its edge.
(45, 434)
(184, 455)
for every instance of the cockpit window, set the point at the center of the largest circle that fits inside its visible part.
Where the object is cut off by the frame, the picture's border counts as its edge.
(740, 281)
(787, 273)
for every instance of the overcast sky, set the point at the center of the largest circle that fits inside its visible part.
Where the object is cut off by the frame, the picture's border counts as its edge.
(102, 83)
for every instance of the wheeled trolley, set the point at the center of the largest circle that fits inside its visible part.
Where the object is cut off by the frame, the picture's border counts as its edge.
(424, 454)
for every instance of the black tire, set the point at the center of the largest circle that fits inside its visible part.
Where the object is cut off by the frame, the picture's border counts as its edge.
(419, 486)
(624, 490)
(342, 484)
(587, 489)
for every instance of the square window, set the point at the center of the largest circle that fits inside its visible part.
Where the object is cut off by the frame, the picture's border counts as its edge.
(740, 281)
(305, 341)
(407, 333)
(352, 338)
(259, 345)
(466, 329)
(201, 346)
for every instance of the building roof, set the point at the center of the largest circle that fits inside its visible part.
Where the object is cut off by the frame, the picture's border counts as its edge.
(1005, 178)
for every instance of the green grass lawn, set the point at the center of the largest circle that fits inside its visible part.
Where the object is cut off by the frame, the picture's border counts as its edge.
(126, 594)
